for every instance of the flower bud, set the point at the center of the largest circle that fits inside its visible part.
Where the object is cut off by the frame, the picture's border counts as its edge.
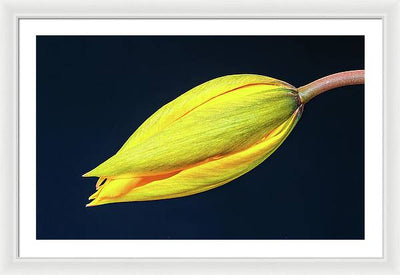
(205, 138)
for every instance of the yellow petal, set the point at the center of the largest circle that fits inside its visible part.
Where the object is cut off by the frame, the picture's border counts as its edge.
(228, 123)
(199, 178)
(196, 97)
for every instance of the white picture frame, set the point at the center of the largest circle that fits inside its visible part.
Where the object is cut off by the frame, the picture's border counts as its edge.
(15, 10)
(30, 246)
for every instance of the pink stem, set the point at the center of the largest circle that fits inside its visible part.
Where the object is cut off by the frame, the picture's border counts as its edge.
(309, 91)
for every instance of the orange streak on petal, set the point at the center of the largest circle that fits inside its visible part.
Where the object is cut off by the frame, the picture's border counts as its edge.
(114, 188)
(99, 182)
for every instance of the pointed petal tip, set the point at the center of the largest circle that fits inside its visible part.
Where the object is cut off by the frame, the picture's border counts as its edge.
(93, 196)
(86, 175)
(96, 202)
(91, 204)
(89, 174)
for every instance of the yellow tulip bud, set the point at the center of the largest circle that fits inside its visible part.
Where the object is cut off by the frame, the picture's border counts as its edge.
(205, 138)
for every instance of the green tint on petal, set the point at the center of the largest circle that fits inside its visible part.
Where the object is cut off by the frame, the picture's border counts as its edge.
(198, 178)
(194, 98)
(228, 123)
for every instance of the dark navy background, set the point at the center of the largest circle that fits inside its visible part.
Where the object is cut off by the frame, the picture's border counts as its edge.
(93, 92)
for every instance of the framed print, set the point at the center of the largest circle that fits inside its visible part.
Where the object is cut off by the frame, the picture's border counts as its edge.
(97, 78)
(204, 140)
